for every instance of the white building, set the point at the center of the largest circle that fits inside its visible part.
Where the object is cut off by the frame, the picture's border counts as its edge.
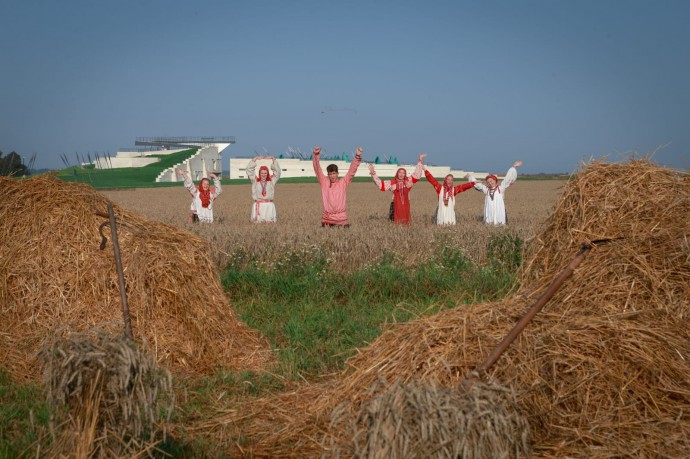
(206, 159)
(295, 167)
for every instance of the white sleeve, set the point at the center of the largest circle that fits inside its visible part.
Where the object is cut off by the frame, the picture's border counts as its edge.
(275, 167)
(479, 186)
(509, 179)
(189, 185)
(219, 189)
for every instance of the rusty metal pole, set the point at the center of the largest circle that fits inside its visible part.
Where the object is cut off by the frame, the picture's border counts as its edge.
(120, 274)
(538, 305)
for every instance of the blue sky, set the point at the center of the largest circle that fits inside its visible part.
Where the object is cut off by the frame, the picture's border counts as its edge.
(476, 85)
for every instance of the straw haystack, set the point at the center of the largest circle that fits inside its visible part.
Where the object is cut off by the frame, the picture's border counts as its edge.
(602, 371)
(54, 278)
(108, 397)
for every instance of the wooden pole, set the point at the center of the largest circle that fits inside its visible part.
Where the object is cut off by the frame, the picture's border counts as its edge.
(120, 274)
(538, 305)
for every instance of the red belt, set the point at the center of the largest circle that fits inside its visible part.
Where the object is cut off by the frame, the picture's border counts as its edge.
(256, 207)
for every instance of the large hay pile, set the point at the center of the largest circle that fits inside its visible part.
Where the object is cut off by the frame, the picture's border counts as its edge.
(602, 371)
(53, 276)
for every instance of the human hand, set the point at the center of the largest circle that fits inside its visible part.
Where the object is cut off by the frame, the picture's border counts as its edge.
(359, 151)
(467, 176)
(180, 172)
(517, 163)
(422, 156)
(212, 175)
(316, 151)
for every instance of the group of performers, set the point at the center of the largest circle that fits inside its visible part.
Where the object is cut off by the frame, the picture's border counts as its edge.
(334, 192)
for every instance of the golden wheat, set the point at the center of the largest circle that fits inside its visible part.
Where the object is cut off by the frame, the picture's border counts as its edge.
(370, 237)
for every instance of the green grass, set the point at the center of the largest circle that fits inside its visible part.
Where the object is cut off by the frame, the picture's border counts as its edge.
(316, 317)
(23, 412)
(126, 177)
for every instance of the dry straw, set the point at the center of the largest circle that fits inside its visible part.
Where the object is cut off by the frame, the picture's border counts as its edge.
(108, 398)
(477, 420)
(53, 275)
(602, 371)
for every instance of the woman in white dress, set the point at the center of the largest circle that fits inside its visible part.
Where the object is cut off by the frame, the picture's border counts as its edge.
(203, 196)
(445, 212)
(494, 205)
(263, 190)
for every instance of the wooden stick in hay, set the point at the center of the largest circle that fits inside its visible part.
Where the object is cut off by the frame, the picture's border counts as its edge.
(106, 393)
(120, 271)
(476, 420)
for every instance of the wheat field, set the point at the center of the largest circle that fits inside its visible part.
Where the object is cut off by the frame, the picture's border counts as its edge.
(370, 237)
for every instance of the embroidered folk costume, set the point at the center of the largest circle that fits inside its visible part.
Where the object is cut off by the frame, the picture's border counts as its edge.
(494, 205)
(202, 199)
(401, 191)
(445, 213)
(334, 193)
(263, 191)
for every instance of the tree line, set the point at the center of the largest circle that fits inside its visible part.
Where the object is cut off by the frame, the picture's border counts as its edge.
(12, 164)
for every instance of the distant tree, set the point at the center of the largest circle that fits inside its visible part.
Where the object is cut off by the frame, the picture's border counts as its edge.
(12, 165)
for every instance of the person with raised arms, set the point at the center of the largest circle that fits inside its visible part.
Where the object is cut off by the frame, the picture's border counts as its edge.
(334, 189)
(400, 186)
(446, 191)
(203, 196)
(263, 190)
(494, 205)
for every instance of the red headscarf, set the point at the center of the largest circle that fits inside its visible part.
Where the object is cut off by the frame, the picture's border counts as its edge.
(400, 184)
(205, 196)
(493, 176)
(263, 184)
(268, 174)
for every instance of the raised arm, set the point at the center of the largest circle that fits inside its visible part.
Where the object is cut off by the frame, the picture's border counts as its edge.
(320, 176)
(511, 175)
(479, 186)
(380, 184)
(275, 167)
(432, 180)
(354, 165)
(187, 181)
(417, 174)
(216, 184)
(251, 169)
(462, 187)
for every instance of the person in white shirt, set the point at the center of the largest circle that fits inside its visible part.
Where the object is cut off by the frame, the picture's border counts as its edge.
(263, 190)
(203, 196)
(494, 205)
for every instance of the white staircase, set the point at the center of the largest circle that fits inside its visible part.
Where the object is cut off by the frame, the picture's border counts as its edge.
(206, 159)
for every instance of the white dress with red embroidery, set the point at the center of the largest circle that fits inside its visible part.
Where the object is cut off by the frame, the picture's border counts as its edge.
(205, 214)
(494, 205)
(263, 209)
(445, 213)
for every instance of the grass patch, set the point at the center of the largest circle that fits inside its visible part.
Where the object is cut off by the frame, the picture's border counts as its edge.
(126, 177)
(23, 414)
(316, 317)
